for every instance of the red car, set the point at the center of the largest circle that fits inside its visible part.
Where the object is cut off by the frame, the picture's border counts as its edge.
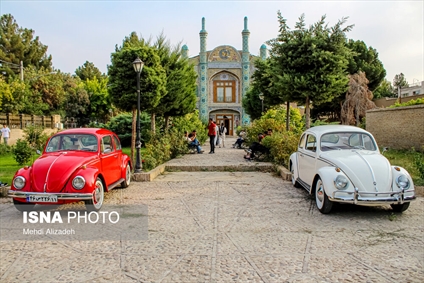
(77, 164)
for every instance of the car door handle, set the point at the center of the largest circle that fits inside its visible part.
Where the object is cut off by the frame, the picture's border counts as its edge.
(116, 156)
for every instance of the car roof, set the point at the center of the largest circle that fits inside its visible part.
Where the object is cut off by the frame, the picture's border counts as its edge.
(95, 131)
(320, 130)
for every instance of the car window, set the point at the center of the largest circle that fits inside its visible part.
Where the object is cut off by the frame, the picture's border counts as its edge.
(347, 140)
(302, 141)
(311, 143)
(107, 144)
(72, 142)
(117, 143)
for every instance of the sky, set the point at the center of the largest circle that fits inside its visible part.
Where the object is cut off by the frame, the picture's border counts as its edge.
(78, 31)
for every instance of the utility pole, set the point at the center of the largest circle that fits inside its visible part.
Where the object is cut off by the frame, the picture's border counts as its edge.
(21, 73)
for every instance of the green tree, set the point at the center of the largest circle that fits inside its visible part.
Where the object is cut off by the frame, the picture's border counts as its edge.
(310, 64)
(262, 83)
(88, 71)
(76, 101)
(399, 81)
(18, 44)
(365, 59)
(100, 100)
(122, 78)
(385, 89)
(180, 82)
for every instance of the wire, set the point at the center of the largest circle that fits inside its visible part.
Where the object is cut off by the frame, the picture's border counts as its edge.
(10, 63)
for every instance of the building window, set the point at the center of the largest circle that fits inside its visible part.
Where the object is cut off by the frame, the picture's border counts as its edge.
(224, 91)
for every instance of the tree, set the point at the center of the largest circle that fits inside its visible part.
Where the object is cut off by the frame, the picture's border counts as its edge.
(18, 44)
(385, 89)
(122, 78)
(262, 83)
(180, 82)
(310, 64)
(77, 101)
(365, 59)
(399, 82)
(100, 100)
(88, 71)
(358, 100)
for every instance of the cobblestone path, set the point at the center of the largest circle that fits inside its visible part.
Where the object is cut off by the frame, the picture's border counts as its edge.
(232, 227)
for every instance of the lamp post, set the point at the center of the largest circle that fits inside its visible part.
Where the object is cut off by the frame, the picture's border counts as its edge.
(138, 66)
(261, 97)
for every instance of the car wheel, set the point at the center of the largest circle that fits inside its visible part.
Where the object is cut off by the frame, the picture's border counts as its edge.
(96, 202)
(293, 178)
(400, 207)
(23, 206)
(127, 181)
(324, 205)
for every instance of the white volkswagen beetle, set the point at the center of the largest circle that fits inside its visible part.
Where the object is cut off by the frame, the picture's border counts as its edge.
(337, 163)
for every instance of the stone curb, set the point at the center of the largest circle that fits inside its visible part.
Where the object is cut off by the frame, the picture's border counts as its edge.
(258, 167)
(3, 191)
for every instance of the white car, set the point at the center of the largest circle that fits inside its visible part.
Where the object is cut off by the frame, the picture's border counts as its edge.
(337, 163)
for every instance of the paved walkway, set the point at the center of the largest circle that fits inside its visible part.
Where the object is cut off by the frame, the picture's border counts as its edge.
(232, 227)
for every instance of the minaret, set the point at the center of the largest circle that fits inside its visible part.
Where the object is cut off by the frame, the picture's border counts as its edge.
(184, 51)
(245, 68)
(263, 52)
(203, 66)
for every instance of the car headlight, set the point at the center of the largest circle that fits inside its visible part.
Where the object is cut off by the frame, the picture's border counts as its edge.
(78, 182)
(403, 182)
(341, 182)
(19, 182)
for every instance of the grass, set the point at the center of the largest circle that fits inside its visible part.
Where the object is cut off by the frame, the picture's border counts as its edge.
(405, 159)
(8, 165)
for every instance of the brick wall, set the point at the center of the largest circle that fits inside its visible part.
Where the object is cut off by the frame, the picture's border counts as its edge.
(398, 128)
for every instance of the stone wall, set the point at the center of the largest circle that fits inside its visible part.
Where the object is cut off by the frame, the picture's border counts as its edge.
(398, 128)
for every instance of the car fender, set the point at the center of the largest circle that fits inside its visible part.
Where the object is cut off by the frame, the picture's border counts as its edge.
(89, 174)
(26, 173)
(397, 171)
(327, 175)
(125, 160)
(293, 164)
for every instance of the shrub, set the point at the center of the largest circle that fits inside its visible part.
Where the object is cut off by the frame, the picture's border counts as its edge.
(167, 145)
(282, 145)
(4, 149)
(22, 152)
(122, 126)
(275, 119)
(35, 137)
(411, 102)
(419, 164)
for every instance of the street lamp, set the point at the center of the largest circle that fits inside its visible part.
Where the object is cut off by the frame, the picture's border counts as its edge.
(138, 66)
(261, 97)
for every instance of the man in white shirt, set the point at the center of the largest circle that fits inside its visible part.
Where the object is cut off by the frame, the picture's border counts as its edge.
(5, 133)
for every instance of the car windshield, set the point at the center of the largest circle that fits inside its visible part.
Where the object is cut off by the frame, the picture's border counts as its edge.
(347, 140)
(72, 142)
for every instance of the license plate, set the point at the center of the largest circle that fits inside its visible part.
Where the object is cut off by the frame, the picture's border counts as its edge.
(46, 198)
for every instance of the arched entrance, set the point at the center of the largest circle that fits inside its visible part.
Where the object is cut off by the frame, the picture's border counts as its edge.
(230, 118)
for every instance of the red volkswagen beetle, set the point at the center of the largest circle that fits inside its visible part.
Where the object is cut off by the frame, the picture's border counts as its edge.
(77, 164)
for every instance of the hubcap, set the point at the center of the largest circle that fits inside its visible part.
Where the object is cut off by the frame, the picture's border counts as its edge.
(319, 193)
(98, 195)
(128, 175)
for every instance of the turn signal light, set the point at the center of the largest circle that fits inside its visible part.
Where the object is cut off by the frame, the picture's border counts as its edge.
(397, 168)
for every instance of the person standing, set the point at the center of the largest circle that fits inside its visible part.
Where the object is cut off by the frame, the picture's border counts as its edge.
(5, 133)
(212, 134)
(217, 134)
(222, 132)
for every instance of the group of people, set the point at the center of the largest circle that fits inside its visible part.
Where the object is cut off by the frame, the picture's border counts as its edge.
(217, 138)
(216, 135)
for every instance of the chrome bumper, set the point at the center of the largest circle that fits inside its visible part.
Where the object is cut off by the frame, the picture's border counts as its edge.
(60, 196)
(373, 198)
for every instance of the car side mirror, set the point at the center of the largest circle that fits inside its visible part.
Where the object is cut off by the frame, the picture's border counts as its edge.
(38, 152)
(384, 150)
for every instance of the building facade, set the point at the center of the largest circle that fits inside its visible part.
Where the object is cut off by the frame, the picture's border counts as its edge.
(224, 75)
